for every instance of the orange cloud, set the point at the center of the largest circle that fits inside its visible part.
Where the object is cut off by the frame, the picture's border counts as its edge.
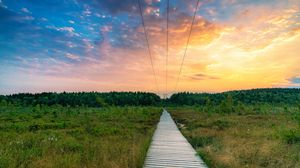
(257, 47)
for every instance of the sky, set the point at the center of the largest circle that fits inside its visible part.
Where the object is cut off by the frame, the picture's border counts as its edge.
(99, 45)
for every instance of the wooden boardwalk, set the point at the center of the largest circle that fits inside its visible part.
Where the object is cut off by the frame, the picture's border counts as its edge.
(170, 149)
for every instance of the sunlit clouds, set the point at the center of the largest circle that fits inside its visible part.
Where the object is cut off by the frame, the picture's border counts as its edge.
(100, 45)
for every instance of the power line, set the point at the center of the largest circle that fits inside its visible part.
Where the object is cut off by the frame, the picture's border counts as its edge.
(148, 46)
(167, 48)
(187, 43)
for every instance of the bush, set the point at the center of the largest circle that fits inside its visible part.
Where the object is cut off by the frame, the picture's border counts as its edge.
(226, 105)
(101, 102)
(240, 108)
(292, 136)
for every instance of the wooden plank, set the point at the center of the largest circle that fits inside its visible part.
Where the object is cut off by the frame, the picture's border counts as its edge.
(170, 149)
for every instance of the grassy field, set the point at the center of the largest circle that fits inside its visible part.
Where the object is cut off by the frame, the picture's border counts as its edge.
(59, 136)
(267, 138)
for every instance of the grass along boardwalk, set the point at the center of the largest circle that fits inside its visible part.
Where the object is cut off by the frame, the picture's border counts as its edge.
(169, 148)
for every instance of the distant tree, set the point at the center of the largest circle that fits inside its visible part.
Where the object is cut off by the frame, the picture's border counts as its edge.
(37, 108)
(274, 96)
(208, 102)
(280, 96)
(226, 105)
(101, 102)
(3, 103)
(89, 99)
(257, 108)
(240, 108)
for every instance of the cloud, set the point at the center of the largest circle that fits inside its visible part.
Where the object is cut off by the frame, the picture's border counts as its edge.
(31, 39)
(106, 28)
(132, 36)
(203, 31)
(201, 76)
(152, 11)
(72, 56)
(242, 45)
(25, 10)
(11, 23)
(87, 11)
(130, 7)
(44, 19)
(295, 80)
(257, 26)
(88, 44)
(69, 30)
(28, 18)
(2, 4)
(117, 6)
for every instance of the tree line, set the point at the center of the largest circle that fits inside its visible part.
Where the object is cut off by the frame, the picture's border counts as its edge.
(89, 99)
(289, 96)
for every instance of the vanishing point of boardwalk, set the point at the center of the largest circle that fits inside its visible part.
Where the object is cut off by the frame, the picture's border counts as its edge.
(170, 149)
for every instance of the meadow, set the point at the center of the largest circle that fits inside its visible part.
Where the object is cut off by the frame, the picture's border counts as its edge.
(247, 136)
(57, 136)
(247, 128)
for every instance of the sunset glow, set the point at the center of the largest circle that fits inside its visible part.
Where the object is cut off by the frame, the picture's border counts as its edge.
(99, 45)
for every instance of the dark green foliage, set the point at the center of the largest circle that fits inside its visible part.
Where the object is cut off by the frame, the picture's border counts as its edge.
(292, 136)
(278, 96)
(226, 105)
(226, 101)
(89, 99)
(240, 108)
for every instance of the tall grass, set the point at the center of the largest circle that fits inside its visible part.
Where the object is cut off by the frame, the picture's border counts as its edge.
(57, 136)
(260, 136)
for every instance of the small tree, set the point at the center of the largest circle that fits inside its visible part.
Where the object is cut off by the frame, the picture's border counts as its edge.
(37, 108)
(101, 102)
(226, 105)
(240, 108)
(208, 105)
(297, 115)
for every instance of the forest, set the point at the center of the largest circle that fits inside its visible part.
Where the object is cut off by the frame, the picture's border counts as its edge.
(272, 96)
(88, 99)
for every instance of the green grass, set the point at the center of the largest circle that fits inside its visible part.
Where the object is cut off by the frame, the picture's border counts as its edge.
(268, 137)
(114, 137)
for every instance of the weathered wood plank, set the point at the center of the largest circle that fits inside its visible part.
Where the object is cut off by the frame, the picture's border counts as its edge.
(169, 148)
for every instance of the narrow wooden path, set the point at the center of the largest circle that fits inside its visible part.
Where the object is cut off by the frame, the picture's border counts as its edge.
(170, 149)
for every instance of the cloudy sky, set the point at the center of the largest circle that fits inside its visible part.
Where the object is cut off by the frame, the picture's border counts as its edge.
(99, 45)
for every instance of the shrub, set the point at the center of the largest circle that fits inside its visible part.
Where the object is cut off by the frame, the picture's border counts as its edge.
(101, 102)
(240, 108)
(292, 136)
(226, 105)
